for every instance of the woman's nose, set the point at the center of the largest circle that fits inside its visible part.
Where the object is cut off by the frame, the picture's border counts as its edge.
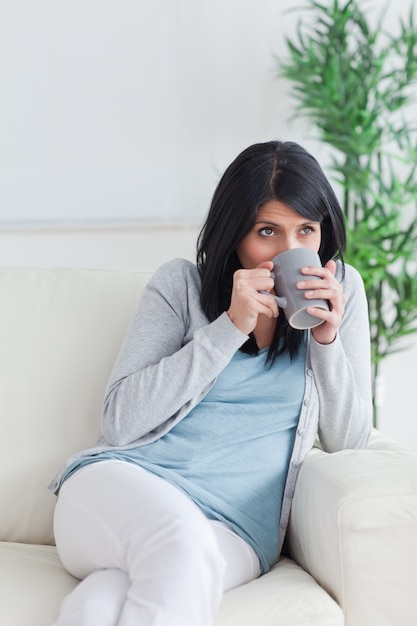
(291, 243)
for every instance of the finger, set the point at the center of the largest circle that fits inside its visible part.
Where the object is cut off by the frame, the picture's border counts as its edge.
(321, 272)
(244, 275)
(320, 279)
(323, 314)
(331, 266)
(256, 280)
(267, 265)
(269, 305)
(336, 298)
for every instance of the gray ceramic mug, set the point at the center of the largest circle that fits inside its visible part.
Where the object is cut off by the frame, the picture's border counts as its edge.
(286, 274)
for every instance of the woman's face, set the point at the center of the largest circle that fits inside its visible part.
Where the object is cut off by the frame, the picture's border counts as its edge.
(277, 228)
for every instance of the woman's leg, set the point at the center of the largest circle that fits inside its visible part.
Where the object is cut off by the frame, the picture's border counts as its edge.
(242, 563)
(162, 560)
(98, 599)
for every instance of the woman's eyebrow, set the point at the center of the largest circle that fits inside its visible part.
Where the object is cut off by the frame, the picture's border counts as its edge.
(267, 223)
(276, 225)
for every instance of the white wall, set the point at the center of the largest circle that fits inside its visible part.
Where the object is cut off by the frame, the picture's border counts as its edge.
(127, 110)
(116, 120)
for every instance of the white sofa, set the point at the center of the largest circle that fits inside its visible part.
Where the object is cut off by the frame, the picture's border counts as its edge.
(352, 542)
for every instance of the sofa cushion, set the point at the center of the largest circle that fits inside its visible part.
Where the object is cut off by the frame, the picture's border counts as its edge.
(286, 596)
(60, 332)
(33, 584)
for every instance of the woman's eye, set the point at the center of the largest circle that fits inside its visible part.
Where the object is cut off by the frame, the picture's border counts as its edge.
(307, 230)
(267, 232)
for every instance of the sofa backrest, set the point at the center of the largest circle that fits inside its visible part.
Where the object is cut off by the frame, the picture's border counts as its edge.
(60, 332)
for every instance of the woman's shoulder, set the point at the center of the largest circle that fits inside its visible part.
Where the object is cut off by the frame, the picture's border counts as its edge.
(177, 269)
(177, 278)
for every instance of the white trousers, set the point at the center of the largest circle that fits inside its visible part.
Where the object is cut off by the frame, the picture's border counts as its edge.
(146, 554)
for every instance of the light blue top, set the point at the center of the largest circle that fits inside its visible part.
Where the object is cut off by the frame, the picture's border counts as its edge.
(230, 454)
(172, 355)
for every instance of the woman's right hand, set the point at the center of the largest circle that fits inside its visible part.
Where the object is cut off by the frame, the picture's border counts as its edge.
(247, 303)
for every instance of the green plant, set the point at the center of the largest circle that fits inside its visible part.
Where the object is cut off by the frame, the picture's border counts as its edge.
(354, 82)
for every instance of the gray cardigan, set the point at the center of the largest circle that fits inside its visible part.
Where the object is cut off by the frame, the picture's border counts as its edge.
(171, 357)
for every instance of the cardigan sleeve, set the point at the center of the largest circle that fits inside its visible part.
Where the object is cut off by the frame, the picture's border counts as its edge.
(169, 358)
(342, 372)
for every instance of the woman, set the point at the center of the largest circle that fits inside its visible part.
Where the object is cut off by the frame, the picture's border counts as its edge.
(212, 405)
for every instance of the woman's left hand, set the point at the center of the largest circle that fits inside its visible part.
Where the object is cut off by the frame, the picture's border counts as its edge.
(328, 288)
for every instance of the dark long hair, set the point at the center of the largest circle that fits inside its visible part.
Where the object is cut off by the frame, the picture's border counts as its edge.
(263, 172)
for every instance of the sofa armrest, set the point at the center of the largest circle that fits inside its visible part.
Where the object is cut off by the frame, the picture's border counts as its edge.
(353, 527)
